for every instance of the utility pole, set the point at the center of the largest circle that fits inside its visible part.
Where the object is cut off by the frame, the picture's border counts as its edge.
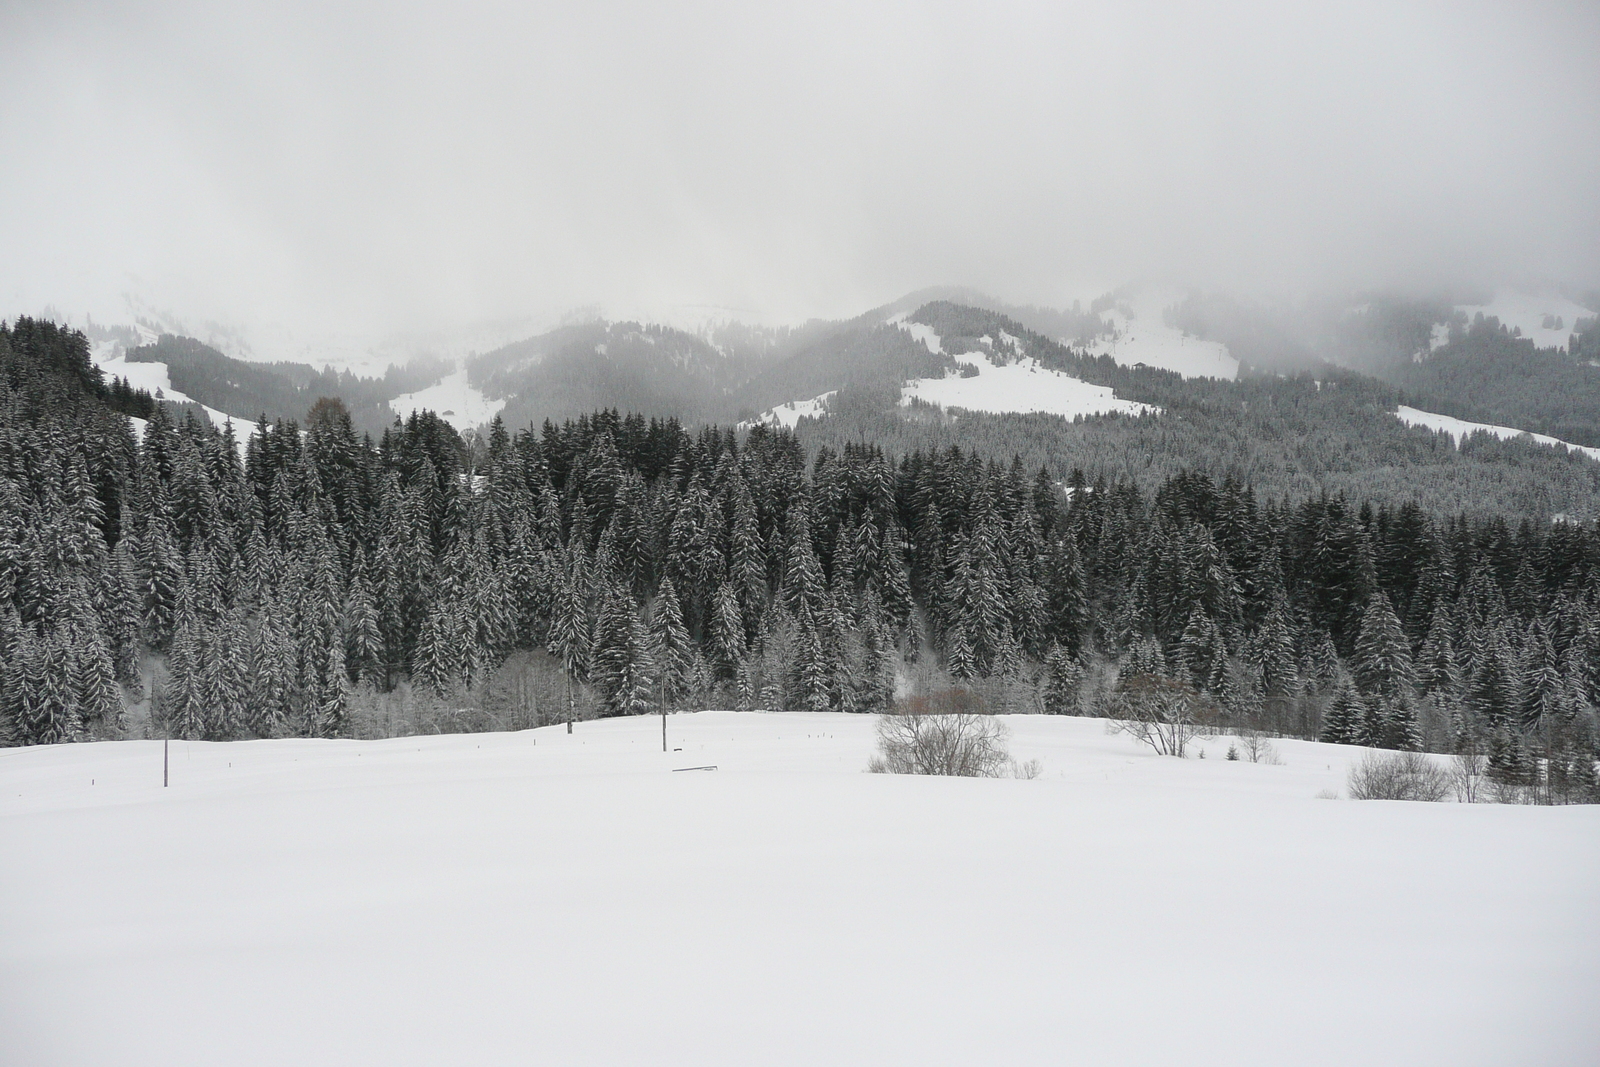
(661, 697)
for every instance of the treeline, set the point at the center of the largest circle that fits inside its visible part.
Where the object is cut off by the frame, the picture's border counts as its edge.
(292, 590)
(49, 365)
(1487, 374)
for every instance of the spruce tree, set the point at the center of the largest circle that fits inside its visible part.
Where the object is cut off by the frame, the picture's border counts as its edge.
(1382, 657)
(1345, 722)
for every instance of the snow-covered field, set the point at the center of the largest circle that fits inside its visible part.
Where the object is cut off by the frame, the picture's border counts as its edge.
(111, 359)
(454, 399)
(545, 898)
(1528, 312)
(1023, 386)
(787, 415)
(1459, 429)
(1140, 335)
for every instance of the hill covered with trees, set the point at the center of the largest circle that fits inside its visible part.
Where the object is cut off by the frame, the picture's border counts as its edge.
(326, 585)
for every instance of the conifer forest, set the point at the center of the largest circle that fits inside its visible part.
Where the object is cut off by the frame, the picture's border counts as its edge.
(309, 582)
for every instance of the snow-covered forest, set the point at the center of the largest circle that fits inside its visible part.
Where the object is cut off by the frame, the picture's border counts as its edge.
(310, 582)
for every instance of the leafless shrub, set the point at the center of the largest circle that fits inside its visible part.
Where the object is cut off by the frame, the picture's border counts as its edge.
(1398, 776)
(1327, 794)
(1028, 769)
(1161, 712)
(1257, 749)
(942, 733)
(1466, 777)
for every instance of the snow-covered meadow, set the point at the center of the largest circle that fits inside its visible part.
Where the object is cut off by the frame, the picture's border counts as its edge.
(1140, 334)
(1022, 386)
(540, 897)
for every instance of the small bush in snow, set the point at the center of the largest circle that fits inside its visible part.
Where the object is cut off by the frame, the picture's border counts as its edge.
(947, 733)
(1029, 769)
(1398, 776)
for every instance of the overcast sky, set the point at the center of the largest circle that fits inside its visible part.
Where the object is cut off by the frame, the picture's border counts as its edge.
(393, 166)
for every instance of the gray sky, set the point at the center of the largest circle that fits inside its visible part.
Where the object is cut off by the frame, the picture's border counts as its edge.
(396, 166)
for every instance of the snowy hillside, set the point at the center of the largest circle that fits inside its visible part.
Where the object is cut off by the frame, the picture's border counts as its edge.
(111, 359)
(539, 897)
(1023, 386)
(454, 399)
(1459, 429)
(1138, 334)
(1547, 319)
(1004, 379)
(787, 415)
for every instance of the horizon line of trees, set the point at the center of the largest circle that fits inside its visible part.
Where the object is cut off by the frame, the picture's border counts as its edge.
(273, 593)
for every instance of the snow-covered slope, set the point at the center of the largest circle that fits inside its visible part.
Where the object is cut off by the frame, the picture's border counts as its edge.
(455, 400)
(787, 415)
(1530, 313)
(1139, 335)
(111, 359)
(545, 898)
(1004, 379)
(1021, 386)
(1459, 429)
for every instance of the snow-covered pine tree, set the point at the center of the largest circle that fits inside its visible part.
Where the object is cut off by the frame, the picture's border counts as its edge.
(672, 650)
(1345, 722)
(363, 641)
(1062, 674)
(435, 658)
(726, 639)
(1382, 655)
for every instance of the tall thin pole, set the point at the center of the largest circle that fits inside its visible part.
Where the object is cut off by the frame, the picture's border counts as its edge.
(164, 763)
(661, 690)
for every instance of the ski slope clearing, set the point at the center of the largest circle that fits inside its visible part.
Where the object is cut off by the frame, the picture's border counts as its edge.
(1531, 314)
(1139, 334)
(788, 415)
(918, 331)
(112, 360)
(1023, 386)
(545, 898)
(454, 399)
(1460, 429)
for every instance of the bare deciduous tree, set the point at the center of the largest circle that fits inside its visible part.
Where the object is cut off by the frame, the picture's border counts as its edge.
(1466, 777)
(1164, 713)
(1257, 749)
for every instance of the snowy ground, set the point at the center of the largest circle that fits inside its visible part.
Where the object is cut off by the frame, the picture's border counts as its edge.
(1140, 335)
(787, 415)
(1459, 429)
(454, 399)
(540, 898)
(1527, 312)
(153, 376)
(1023, 386)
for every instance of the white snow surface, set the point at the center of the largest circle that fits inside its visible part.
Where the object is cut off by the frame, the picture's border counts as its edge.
(1526, 311)
(788, 415)
(1140, 335)
(544, 898)
(918, 331)
(454, 399)
(1022, 386)
(112, 360)
(1460, 429)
